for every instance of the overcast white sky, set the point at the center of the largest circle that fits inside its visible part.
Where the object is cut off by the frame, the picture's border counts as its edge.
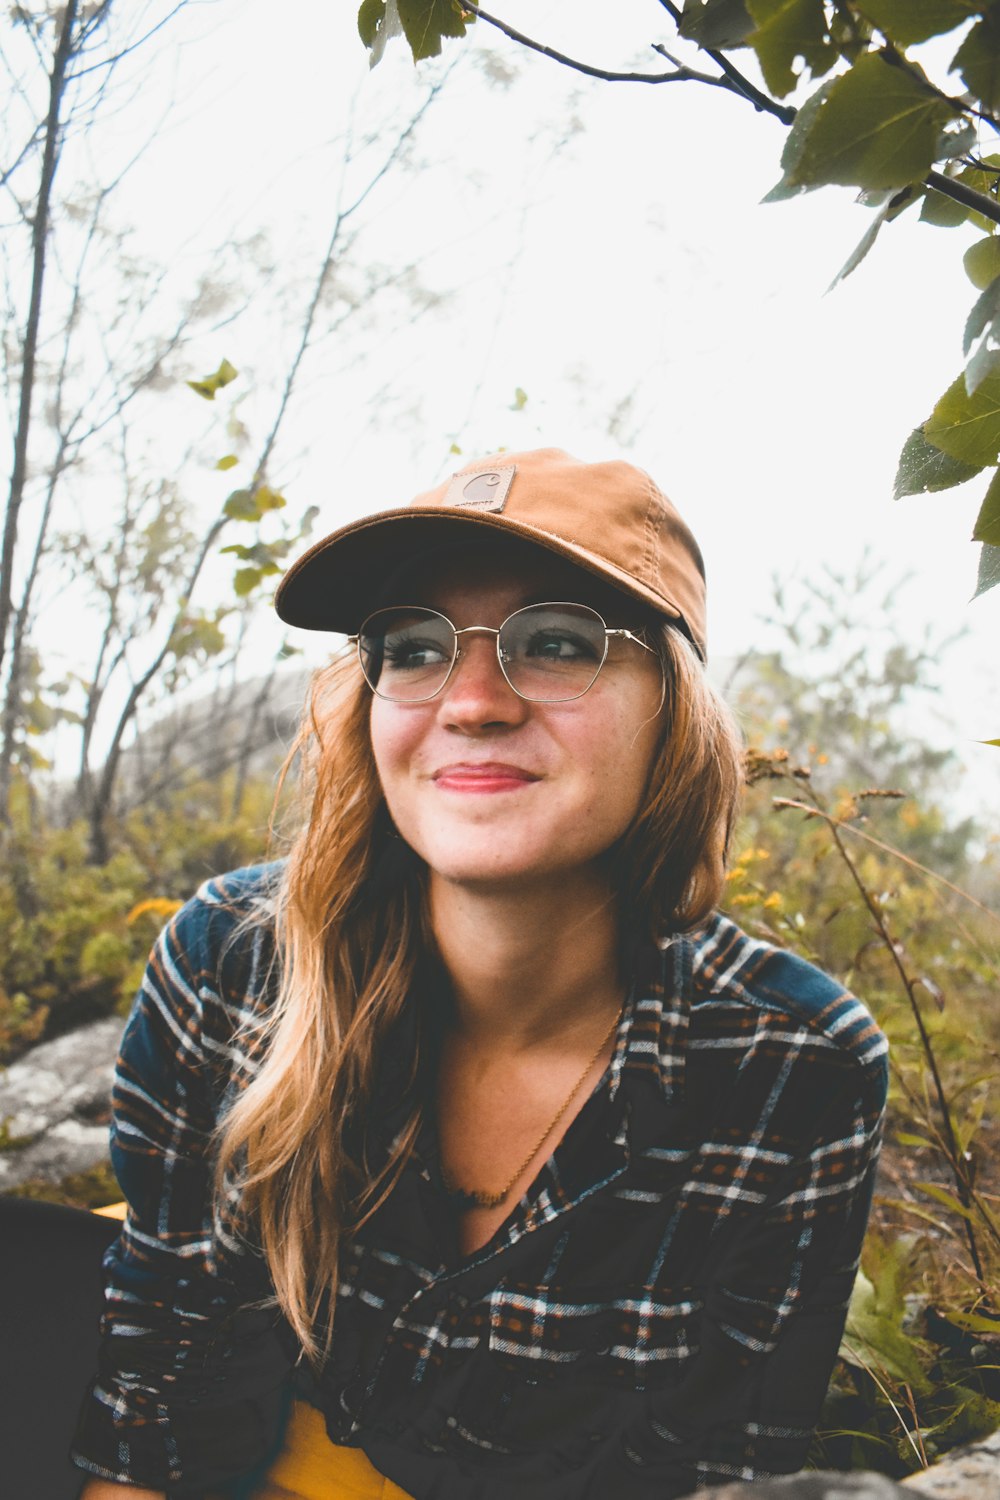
(602, 247)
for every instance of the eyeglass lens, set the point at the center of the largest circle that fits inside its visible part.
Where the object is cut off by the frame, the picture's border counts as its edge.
(549, 653)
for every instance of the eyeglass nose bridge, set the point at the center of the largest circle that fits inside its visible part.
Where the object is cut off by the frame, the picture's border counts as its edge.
(478, 630)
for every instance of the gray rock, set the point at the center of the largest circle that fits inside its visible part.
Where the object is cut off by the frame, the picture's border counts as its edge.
(821, 1485)
(971, 1473)
(54, 1102)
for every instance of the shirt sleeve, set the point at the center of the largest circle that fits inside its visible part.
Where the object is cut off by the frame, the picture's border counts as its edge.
(784, 1265)
(190, 1385)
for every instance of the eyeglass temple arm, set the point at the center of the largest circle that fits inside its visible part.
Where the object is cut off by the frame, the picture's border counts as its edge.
(629, 636)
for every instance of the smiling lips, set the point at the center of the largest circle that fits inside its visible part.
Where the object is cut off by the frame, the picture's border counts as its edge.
(483, 776)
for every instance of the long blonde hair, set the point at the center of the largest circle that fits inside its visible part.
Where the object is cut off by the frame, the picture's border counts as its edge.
(350, 933)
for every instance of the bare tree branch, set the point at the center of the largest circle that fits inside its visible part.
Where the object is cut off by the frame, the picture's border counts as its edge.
(960, 192)
(43, 205)
(679, 75)
(110, 62)
(738, 81)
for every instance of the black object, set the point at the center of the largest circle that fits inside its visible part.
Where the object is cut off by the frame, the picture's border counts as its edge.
(50, 1303)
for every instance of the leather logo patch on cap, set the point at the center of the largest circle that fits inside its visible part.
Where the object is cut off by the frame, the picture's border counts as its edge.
(486, 490)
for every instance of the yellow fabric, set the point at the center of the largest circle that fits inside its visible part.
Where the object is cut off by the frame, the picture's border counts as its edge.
(113, 1210)
(310, 1467)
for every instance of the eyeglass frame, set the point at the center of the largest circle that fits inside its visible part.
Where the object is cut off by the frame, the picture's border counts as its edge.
(609, 631)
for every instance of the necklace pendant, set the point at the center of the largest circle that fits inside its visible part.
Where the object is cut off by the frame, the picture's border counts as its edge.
(488, 1200)
(472, 1199)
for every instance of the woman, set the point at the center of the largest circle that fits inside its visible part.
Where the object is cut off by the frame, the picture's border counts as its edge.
(583, 1170)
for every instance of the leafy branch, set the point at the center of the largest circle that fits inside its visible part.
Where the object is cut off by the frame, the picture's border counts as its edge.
(878, 122)
(969, 1199)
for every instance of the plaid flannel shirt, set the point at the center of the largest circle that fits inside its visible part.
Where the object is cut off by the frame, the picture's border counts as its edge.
(661, 1310)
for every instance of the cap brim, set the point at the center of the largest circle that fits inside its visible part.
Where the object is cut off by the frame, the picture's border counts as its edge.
(334, 585)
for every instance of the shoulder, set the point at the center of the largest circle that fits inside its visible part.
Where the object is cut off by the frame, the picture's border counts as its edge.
(751, 984)
(226, 904)
(219, 946)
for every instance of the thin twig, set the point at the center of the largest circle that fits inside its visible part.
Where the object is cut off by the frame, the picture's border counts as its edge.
(902, 1421)
(738, 81)
(909, 986)
(733, 81)
(814, 812)
(680, 74)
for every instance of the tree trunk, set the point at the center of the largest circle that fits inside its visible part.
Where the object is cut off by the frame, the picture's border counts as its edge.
(39, 237)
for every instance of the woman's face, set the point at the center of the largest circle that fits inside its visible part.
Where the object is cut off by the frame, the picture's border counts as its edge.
(489, 788)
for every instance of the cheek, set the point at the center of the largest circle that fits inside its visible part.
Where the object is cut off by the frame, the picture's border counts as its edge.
(620, 760)
(393, 736)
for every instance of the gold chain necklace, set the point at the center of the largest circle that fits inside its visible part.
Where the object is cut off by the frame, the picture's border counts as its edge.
(477, 1198)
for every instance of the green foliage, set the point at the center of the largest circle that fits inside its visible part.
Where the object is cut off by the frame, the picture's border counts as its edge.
(826, 814)
(989, 570)
(74, 936)
(909, 1386)
(882, 124)
(982, 262)
(877, 126)
(716, 23)
(908, 21)
(978, 61)
(785, 31)
(987, 527)
(923, 468)
(424, 23)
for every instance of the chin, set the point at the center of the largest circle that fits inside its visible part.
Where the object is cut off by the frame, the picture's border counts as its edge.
(495, 870)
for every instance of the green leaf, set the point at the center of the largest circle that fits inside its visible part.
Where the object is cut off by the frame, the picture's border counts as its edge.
(862, 248)
(228, 462)
(873, 1335)
(968, 427)
(787, 30)
(241, 506)
(989, 570)
(939, 209)
(795, 144)
(370, 18)
(924, 469)
(877, 127)
(268, 499)
(956, 140)
(972, 1323)
(520, 400)
(245, 580)
(985, 309)
(984, 363)
(906, 21)
(943, 1196)
(978, 60)
(212, 383)
(425, 22)
(982, 261)
(716, 23)
(989, 742)
(906, 1139)
(889, 211)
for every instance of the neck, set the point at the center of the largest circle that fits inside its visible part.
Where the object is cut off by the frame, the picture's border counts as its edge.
(527, 965)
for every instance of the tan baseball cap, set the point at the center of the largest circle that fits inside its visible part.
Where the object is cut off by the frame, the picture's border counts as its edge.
(609, 518)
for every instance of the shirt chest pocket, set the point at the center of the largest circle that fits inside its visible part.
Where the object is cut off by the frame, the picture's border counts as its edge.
(634, 1336)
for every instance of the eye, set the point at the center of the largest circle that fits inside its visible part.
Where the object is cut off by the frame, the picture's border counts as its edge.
(408, 651)
(558, 644)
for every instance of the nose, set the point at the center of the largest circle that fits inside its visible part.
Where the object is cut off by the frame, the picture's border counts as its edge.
(477, 695)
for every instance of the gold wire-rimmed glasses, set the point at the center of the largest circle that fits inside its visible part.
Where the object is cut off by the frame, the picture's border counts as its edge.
(548, 653)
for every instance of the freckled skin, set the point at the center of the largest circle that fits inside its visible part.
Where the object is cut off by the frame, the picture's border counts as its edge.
(570, 776)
